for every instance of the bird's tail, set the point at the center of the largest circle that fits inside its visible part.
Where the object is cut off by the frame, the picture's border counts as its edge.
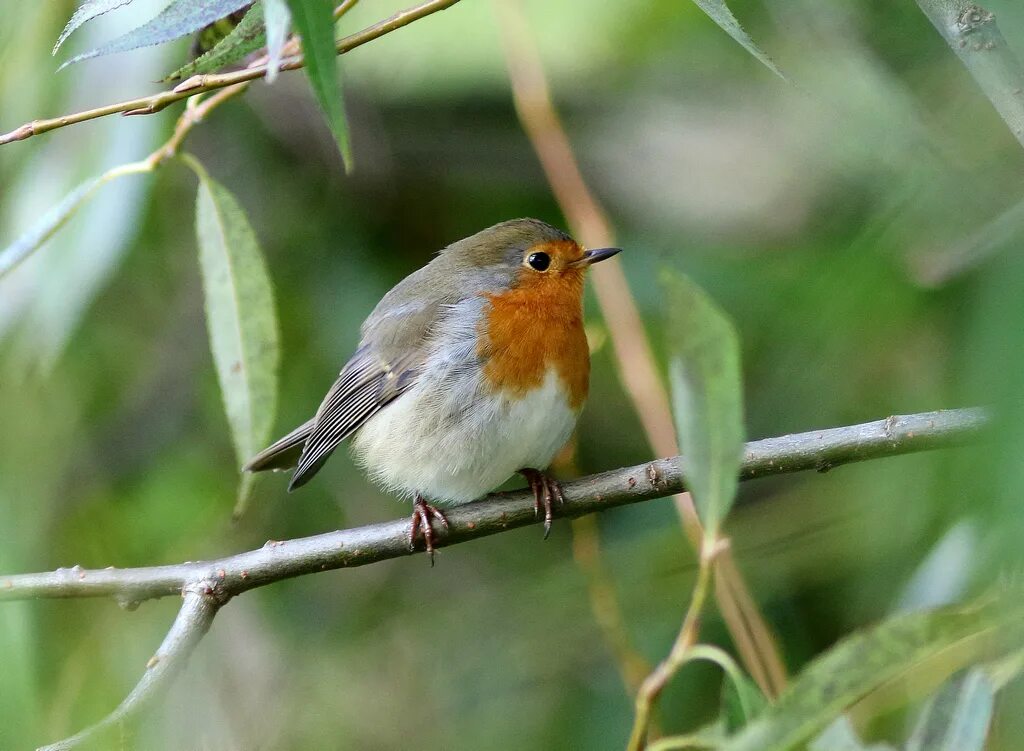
(283, 453)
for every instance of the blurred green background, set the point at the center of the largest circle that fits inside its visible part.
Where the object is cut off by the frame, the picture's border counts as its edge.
(844, 222)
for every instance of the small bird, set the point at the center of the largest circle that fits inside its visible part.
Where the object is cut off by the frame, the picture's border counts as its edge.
(469, 370)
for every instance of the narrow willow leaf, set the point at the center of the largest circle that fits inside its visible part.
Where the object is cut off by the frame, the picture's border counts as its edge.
(957, 717)
(840, 736)
(178, 19)
(742, 701)
(972, 33)
(314, 20)
(247, 36)
(240, 319)
(50, 222)
(706, 738)
(277, 19)
(719, 13)
(938, 643)
(87, 11)
(707, 399)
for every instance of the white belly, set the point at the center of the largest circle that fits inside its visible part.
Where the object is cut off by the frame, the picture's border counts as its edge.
(451, 441)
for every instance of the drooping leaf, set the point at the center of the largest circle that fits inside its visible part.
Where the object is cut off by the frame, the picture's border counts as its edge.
(314, 21)
(742, 701)
(180, 18)
(247, 36)
(50, 222)
(87, 11)
(840, 736)
(938, 643)
(240, 319)
(719, 12)
(707, 399)
(957, 717)
(971, 32)
(277, 19)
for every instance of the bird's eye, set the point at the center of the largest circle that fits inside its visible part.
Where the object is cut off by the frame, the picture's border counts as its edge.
(538, 261)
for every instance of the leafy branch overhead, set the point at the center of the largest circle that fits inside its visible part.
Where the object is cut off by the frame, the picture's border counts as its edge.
(265, 24)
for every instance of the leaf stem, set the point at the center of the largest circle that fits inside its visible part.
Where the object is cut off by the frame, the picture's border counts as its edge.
(655, 683)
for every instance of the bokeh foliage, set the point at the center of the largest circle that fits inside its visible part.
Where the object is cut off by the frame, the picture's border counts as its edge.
(844, 222)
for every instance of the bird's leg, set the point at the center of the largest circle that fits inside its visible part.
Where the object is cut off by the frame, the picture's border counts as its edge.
(422, 515)
(546, 491)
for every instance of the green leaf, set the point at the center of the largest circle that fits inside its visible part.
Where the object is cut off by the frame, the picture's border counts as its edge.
(277, 19)
(707, 399)
(178, 19)
(87, 11)
(971, 32)
(935, 643)
(314, 21)
(719, 12)
(240, 319)
(50, 222)
(742, 701)
(247, 36)
(840, 736)
(957, 717)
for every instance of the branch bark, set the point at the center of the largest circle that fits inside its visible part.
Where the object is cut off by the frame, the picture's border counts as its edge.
(198, 608)
(971, 32)
(208, 585)
(819, 450)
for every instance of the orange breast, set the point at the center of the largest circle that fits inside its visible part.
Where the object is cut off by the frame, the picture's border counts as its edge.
(532, 328)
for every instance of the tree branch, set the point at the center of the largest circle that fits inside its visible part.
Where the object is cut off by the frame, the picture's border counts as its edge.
(198, 84)
(198, 608)
(207, 585)
(820, 450)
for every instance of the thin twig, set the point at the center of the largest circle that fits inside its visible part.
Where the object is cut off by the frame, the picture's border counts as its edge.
(198, 84)
(198, 608)
(634, 357)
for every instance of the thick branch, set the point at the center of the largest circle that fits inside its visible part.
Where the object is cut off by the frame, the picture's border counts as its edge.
(198, 608)
(819, 450)
(147, 105)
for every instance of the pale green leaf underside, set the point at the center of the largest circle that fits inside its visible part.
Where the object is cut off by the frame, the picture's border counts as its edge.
(957, 717)
(314, 21)
(87, 11)
(719, 12)
(240, 317)
(277, 19)
(707, 398)
(178, 19)
(944, 640)
(841, 736)
(49, 223)
(248, 36)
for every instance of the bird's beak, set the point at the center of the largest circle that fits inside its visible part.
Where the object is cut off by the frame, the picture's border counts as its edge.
(593, 256)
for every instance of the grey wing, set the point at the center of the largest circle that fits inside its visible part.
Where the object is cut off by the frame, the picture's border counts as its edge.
(368, 382)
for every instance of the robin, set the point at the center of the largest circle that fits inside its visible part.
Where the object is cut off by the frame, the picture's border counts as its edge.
(469, 370)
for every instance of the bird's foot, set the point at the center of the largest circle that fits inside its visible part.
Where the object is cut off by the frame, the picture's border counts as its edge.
(422, 515)
(546, 491)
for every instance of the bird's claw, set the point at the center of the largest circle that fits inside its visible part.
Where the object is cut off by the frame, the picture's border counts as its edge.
(546, 491)
(422, 515)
